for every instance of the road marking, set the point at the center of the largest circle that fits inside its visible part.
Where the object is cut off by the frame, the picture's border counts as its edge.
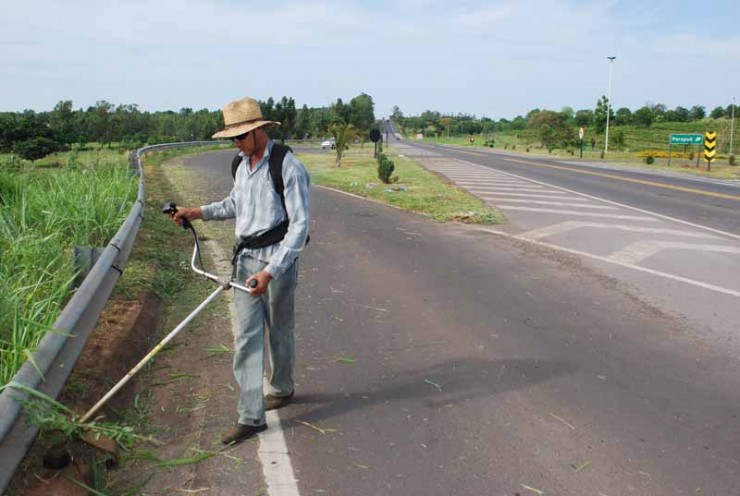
(636, 252)
(275, 459)
(631, 180)
(577, 213)
(634, 209)
(703, 285)
(555, 196)
(495, 189)
(273, 452)
(559, 204)
(571, 225)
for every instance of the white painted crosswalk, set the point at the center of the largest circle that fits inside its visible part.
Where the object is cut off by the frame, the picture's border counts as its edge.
(603, 230)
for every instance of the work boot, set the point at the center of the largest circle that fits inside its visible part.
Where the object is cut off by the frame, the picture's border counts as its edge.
(273, 402)
(240, 432)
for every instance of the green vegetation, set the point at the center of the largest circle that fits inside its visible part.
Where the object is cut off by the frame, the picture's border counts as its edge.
(44, 213)
(632, 135)
(417, 190)
(385, 169)
(33, 135)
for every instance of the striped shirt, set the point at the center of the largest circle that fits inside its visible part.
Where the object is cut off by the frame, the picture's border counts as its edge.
(257, 208)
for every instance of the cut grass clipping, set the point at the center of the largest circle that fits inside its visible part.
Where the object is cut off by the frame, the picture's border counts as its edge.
(50, 416)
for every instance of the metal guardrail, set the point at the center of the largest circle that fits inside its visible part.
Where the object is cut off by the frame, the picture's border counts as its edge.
(57, 353)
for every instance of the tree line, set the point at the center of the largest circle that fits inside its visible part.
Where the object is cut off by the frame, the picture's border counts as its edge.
(35, 134)
(554, 128)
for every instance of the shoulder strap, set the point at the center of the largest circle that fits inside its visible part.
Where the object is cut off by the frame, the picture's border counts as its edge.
(236, 161)
(277, 155)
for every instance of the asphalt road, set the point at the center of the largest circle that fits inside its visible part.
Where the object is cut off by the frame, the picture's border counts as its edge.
(444, 360)
(711, 203)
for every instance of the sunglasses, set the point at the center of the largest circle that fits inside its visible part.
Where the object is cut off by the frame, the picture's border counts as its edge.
(241, 136)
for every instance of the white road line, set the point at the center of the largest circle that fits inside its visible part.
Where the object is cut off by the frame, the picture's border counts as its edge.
(496, 182)
(486, 184)
(693, 282)
(275, 459)
(559, 204)
(559, 196)
(636, 252)
(494, 189)
(571, 225)
(503, 180)
(577, 213)
(273, 452)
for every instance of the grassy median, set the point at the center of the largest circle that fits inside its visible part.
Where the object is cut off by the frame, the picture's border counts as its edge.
(416, 190)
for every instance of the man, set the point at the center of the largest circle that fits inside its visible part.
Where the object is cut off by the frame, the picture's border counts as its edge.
(270, 235)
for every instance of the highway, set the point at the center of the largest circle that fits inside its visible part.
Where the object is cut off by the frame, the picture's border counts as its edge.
(579, 349)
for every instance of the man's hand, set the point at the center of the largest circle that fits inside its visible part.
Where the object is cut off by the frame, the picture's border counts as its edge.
(190, 214)
(263, 278)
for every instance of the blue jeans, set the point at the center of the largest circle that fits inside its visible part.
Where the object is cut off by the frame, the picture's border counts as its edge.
(276, 310)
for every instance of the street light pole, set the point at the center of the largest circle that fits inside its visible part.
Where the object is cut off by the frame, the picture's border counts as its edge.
(608, 105)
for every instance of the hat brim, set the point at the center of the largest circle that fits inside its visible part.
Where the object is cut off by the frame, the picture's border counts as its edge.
(231, 132)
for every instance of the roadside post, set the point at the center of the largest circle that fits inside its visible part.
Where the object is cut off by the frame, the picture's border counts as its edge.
(375, 137)
(683, 139)
(710, 148)
(581, 134)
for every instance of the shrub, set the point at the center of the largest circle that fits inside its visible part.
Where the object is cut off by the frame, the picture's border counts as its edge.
(385, 168)
(649, 159)
(731, 159)
(36, 148)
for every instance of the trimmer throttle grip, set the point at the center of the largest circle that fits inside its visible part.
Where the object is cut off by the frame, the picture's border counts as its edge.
(171, 209)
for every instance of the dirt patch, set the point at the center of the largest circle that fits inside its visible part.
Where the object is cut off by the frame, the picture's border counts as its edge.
(120, 339)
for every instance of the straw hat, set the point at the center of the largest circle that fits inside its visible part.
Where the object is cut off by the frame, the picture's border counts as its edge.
(241, 116)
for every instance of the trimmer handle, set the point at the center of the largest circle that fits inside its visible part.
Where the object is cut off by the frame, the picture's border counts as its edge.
(171, 209)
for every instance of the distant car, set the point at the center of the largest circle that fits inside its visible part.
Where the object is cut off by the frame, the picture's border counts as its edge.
(326, 144)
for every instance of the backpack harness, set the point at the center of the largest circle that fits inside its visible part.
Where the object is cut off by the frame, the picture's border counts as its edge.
(277, 233)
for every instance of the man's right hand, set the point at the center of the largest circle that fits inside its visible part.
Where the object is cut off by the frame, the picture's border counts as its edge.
(190, 214)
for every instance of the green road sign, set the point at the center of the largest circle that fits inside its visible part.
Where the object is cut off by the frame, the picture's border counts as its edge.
(686, 139)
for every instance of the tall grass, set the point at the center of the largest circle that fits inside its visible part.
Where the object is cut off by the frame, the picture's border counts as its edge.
(43, 215)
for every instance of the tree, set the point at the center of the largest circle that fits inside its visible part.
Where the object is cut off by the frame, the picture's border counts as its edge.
(362, 112)
(343, 134)
(569, 113)
(717, 113)
(551, 128)
(303, 123)
(340, 112)
(643, 116)
(584, 117)
(623, 117)
(397, 115)
(679, 114)
(36, 148)
(61, 122)
(602, 107)
(697, 113)
(446, 122)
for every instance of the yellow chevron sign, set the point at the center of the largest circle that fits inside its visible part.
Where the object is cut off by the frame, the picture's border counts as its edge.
(710, 146)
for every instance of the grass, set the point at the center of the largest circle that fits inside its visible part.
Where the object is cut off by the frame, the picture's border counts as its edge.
(44, 213)
(417, 189)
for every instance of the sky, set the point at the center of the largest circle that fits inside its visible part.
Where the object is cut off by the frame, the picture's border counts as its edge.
(496, 59)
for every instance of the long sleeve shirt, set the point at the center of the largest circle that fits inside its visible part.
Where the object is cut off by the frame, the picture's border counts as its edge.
(257, 208)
